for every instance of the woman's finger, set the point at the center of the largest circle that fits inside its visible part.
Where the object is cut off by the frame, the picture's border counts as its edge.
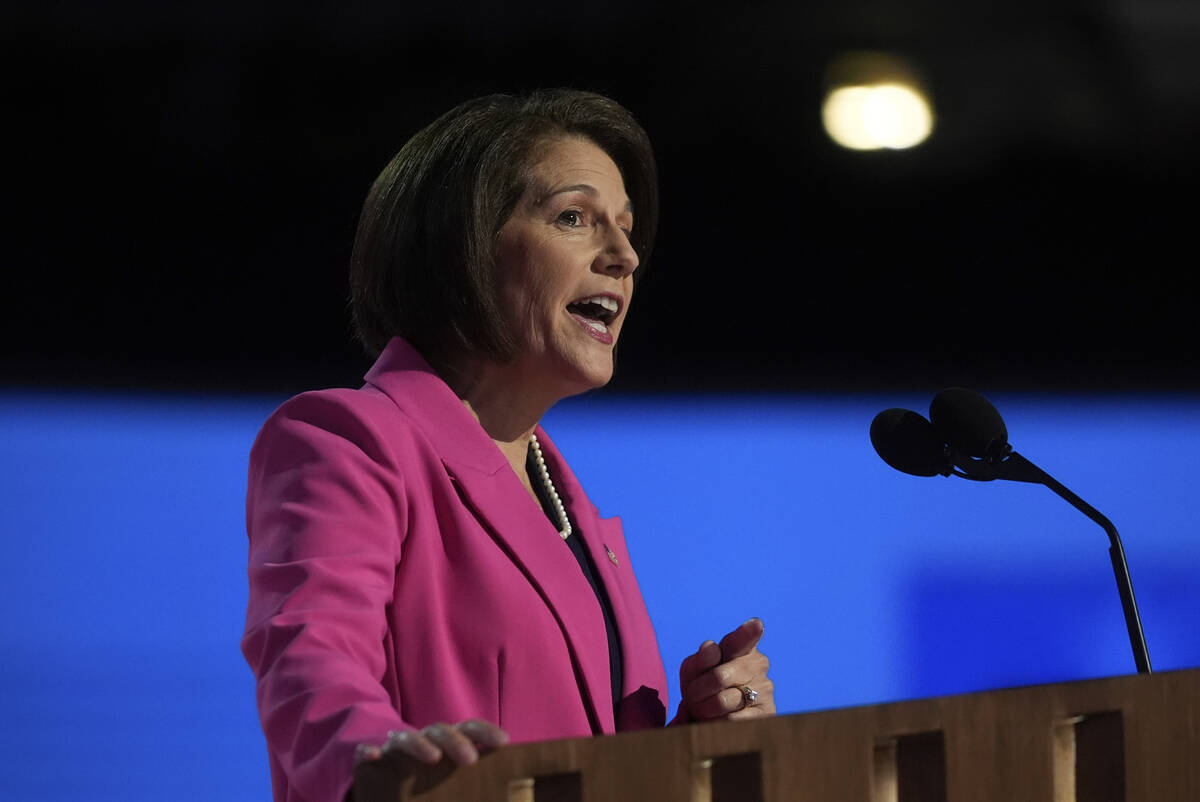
(745, 670)
(406, 742)
(738, 702)
(738, 685)
(763, 703)
(742, 640)
(753, 711)
(453, 743)
(705, 658)
(414, 744)
(461, 743)
(718, 705)
(484, 734)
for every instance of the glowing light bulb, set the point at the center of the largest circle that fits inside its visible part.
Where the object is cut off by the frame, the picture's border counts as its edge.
(875, 102)
(891, 116)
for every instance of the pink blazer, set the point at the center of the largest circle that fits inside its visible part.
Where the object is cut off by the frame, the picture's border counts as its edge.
(400, 575)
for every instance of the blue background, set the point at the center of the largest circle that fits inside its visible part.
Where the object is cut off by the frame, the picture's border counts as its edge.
(123, 569)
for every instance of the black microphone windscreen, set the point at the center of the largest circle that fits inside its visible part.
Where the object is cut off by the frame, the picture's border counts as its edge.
(908, 442)
(968, 422)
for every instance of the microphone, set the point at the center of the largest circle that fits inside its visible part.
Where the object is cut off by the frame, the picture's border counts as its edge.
(967, 420)
(909, 443)
(965, 436)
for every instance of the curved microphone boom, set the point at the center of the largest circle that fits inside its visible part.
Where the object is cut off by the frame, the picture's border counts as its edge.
(966, 436)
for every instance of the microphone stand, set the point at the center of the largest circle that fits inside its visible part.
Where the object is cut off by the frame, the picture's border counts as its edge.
(1016, 468)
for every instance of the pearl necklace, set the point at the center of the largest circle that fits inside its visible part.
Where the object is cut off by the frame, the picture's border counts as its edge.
(565, 531)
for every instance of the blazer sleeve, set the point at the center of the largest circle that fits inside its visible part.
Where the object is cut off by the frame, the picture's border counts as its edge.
(325, 514)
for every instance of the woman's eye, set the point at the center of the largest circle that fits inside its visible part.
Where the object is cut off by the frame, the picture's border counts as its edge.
(571, 217)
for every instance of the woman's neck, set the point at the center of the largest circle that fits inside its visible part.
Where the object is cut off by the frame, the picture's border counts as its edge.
(507, 404)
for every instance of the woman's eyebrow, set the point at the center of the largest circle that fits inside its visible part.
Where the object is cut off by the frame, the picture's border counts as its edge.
(586, 189)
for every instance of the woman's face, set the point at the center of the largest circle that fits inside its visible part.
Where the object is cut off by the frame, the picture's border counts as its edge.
(565, 266)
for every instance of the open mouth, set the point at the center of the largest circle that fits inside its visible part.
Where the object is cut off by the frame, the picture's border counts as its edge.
(597, 309)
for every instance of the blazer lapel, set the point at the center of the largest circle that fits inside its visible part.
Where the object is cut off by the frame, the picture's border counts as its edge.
(502, 505)
(490, 488)
(606, 543)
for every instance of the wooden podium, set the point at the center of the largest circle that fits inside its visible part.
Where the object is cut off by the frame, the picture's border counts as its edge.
(1123, 739)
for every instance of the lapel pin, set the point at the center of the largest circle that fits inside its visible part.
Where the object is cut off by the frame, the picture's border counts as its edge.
(611, 556)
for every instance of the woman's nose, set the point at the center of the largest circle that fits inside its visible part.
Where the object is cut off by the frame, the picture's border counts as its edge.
(619, 257)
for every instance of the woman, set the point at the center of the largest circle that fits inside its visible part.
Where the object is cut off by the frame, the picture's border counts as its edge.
(426, 574)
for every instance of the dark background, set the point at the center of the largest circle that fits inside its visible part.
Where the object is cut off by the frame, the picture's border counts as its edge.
(183, 183)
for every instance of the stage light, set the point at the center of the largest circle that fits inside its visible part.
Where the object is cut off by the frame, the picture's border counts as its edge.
(876, 101)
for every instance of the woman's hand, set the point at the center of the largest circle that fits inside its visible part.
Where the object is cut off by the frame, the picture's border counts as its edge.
(461, 743)
(728, 681)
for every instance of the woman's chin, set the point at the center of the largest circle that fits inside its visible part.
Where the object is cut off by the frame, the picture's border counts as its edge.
(592, 381)
(587, 374)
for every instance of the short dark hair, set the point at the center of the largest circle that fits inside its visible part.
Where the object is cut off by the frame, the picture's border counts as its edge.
(422, 266)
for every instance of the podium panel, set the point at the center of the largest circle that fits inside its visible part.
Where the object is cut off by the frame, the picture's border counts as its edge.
(1121, 739)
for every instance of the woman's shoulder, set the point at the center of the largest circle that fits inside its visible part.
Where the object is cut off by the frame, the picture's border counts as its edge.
(364, 420)
(365, 404)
